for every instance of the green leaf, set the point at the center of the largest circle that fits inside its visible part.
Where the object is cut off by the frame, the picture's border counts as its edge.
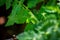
(10, 22)
(19, 15)
(32, 3)
(29, 27)
(8, 4)
(2, 2)
(22, 1)
(52, 3)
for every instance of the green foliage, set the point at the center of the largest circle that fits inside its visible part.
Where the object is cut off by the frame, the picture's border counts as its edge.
(42, 24)
(20, 13)
(17, 15)
(29, 27)
(47, 28)
(32, 3)
(8, 3)
(2, 2)
(52, 2)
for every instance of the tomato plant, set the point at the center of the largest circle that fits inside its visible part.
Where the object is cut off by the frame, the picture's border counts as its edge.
(41, 24)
